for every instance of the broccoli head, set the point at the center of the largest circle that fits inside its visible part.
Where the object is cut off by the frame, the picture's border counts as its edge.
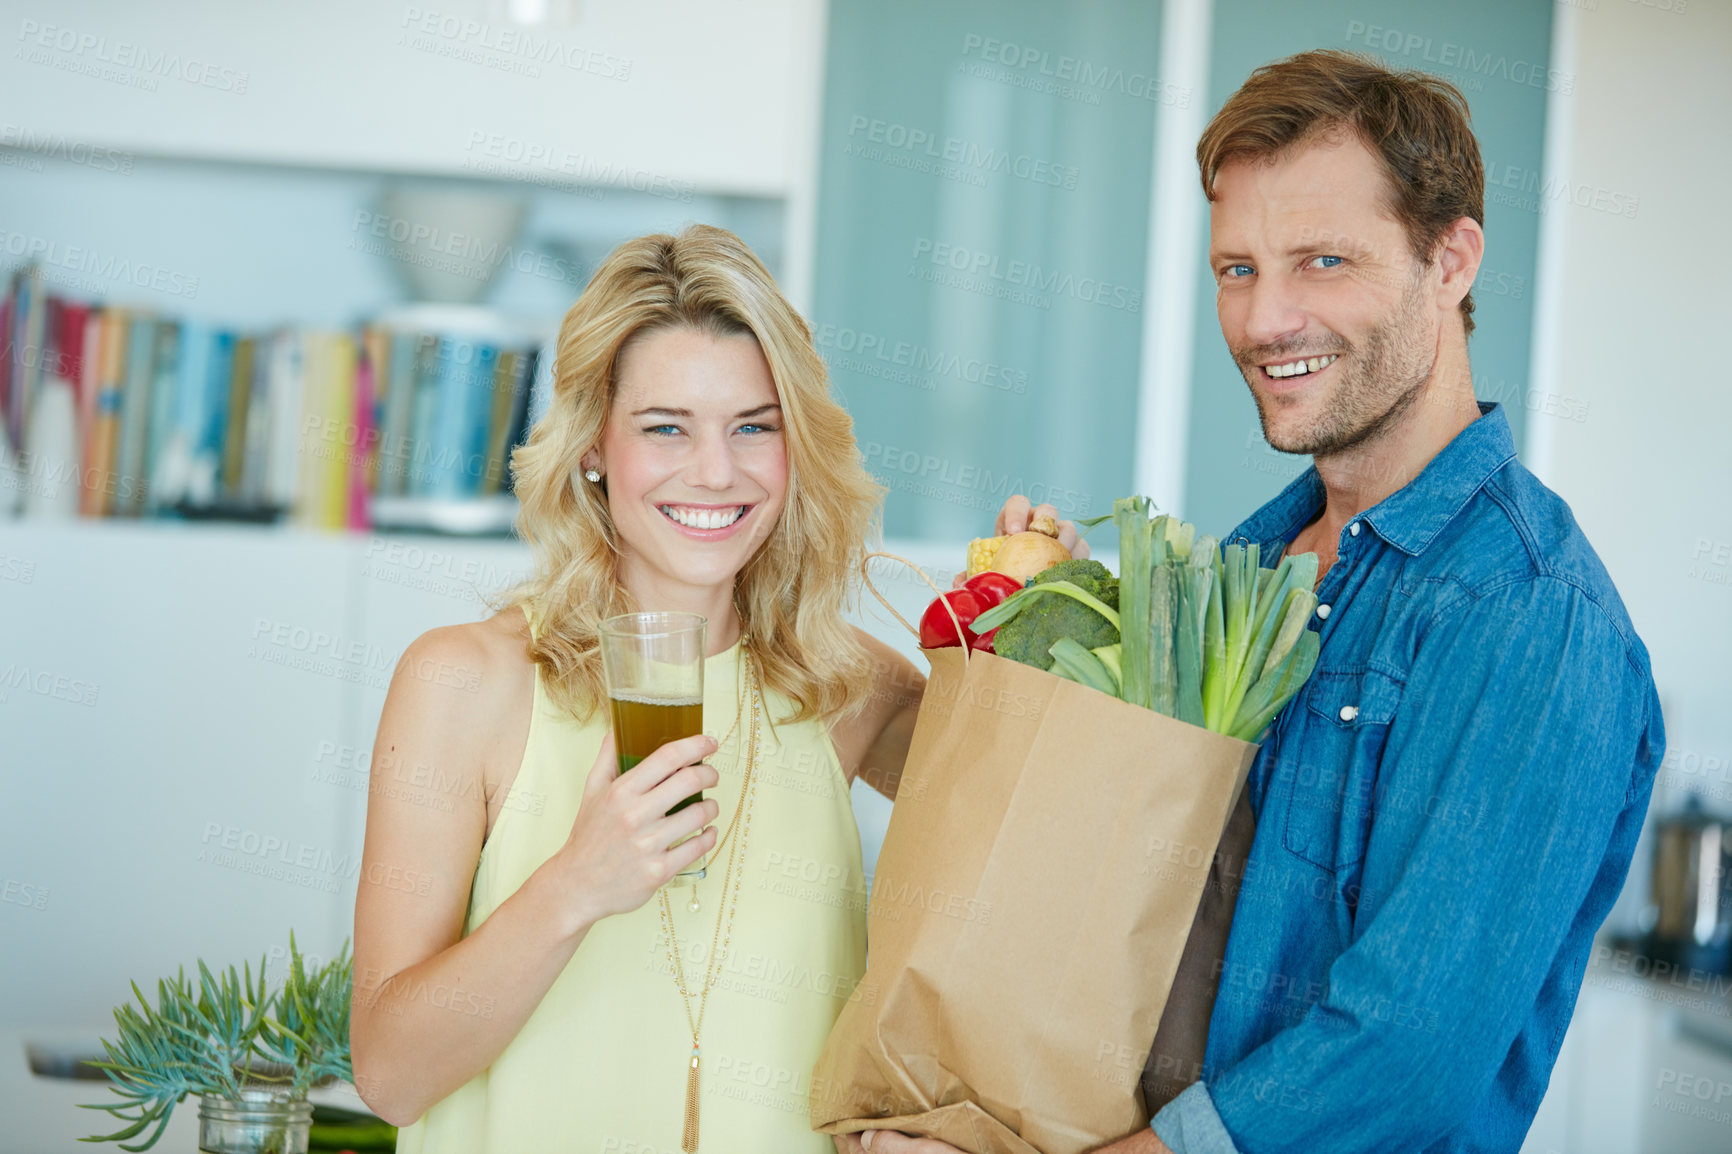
(1088, 575)
(1029, 636)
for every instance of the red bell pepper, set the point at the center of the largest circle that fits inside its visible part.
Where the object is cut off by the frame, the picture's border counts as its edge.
(938, 631)
(992, 587)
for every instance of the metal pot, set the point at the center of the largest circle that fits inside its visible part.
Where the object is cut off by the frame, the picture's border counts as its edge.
(1692, 890)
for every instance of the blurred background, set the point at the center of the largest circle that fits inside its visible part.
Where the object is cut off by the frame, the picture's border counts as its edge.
(280, 281)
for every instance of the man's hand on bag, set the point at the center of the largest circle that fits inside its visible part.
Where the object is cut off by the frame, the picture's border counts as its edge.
(890, 1142)
(1014, 518)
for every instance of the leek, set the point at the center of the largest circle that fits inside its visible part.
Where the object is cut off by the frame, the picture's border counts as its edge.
(1163, 615)
(1074, 663)
(1135, 546)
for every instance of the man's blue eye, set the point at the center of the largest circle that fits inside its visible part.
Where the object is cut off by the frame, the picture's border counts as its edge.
(1324, 261)
(1237, 270)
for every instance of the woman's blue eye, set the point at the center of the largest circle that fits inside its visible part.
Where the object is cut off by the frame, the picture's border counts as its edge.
(758, 428)
(660, 430)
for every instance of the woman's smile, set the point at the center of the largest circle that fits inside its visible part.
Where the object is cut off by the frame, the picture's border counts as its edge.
(706, 522)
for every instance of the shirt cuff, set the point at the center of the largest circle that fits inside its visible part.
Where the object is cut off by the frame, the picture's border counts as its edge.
(1189, 1124)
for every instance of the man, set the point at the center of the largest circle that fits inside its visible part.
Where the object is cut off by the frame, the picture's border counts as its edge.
(1447, 811)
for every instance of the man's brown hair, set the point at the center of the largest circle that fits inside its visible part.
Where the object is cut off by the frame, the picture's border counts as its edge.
(1415, 124)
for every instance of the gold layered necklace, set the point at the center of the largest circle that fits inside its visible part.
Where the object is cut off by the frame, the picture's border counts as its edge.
(723, 936)
(739, 707)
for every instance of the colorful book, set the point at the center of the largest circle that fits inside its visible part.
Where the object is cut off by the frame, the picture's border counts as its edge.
(29, 324)
(240, 401)
(339, 394)
(394, 424)
(127, 499)
(164, 397)
(498, 417)
(419, 472)
(205, 483)
(286, 406)
(7, 356)
(362, 456)
(100, 444)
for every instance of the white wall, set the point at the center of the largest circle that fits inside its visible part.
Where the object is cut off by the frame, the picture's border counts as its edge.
(1645, 308)
(1641, 305)
(716, 96)
(669, 87)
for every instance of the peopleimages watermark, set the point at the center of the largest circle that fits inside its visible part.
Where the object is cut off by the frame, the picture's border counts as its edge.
(1694, 1095)
(1067, 77)
(276, 857)
(993, 487)
(1529, 190)
(20, 678)
(528, 160)
(435, 570)
(504, 47)
(865, 132)
(1711, 561)
(333, 655)
(875, 355)
(1021, 281)
(1447, 54)
(55, 146)
(80, 259)
(30, 896)
(121, 61)
(17, 569)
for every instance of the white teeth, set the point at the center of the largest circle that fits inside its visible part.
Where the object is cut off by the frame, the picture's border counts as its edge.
(1301, 367)
(703, 518)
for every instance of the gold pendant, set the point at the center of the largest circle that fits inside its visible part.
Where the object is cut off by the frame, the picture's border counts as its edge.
(689, 1139)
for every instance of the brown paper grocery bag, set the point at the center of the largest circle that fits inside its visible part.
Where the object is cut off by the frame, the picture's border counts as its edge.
(1037, 887)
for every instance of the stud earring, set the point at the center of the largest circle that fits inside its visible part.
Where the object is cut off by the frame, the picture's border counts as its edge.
(592, 474)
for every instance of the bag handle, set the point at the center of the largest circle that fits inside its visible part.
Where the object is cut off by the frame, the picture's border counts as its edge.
(866, 576)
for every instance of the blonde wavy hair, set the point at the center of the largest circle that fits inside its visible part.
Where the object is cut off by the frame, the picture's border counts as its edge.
(792, 593)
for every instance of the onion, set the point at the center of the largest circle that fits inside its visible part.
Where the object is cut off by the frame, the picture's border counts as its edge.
(1025, 554)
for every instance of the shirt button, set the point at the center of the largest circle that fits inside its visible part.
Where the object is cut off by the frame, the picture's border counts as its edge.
(1353, 529)
(1349, 712)
(1323, 611)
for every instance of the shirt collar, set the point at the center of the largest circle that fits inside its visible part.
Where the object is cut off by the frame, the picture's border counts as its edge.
(1414, 514)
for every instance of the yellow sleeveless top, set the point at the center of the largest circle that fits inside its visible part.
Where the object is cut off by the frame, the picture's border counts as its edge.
(601, 1064)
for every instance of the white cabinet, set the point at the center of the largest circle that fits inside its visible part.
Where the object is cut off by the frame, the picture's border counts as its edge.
(645, 93)
(1646, 1066)
(186, 713)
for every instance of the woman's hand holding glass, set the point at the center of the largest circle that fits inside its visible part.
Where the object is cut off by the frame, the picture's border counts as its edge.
(618, 853)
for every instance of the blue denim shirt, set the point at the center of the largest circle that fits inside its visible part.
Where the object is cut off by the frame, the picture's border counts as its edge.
(1445, 815)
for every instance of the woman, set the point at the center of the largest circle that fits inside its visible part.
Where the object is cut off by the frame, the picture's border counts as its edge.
(523, 982)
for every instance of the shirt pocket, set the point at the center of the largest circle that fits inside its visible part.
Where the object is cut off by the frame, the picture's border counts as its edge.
(1342, 730)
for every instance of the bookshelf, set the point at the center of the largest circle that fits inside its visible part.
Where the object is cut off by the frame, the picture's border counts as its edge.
(254, 380)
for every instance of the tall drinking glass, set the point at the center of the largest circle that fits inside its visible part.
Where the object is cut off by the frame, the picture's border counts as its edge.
(653, 664)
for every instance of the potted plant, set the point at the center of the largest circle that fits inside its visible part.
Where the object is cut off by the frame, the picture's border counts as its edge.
(250, 1053)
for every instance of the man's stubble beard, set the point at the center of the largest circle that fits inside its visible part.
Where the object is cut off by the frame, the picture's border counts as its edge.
(1389, 375)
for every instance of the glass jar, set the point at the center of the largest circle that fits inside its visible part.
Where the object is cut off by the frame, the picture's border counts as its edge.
(261, 1122)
